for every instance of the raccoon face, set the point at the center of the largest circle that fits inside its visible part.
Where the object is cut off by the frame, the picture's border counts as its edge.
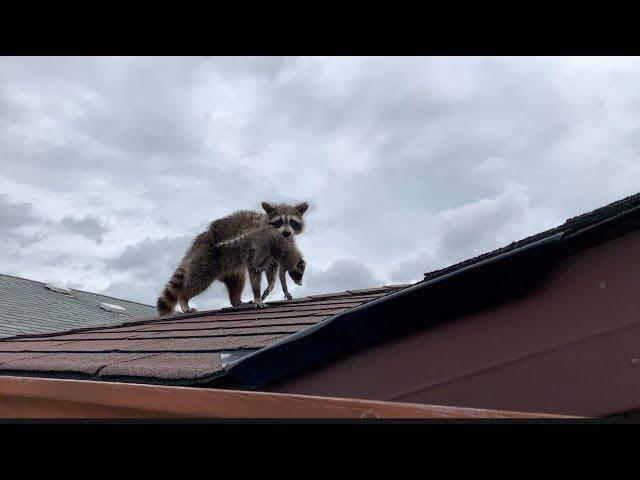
(285, 219)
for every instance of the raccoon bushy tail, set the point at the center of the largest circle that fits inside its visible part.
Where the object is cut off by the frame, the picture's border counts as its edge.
(240, 238)
(168, 299)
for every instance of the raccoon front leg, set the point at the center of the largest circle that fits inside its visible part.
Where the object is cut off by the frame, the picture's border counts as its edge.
(270, 272)
(255, 276)
(184, 306)
(283, 282)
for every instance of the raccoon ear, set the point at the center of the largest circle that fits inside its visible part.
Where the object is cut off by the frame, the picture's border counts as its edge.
(267, 207)
(302, 207)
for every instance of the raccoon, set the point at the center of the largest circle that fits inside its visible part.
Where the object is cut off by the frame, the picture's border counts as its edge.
(291, 263)
(272, 250)
(243, 241)
(290, 260)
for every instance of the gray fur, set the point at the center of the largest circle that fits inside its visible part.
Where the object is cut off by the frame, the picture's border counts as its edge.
(292, 263)
(211, 257)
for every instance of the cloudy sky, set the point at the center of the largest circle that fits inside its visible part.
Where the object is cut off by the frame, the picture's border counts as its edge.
(110, 166)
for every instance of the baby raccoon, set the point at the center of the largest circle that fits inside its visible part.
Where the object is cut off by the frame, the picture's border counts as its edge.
(243, 241)
(285, 258)
(292, 263)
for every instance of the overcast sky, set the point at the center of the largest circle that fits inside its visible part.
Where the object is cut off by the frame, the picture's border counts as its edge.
(110, 166)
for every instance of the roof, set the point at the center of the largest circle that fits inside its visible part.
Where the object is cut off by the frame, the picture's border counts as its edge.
(177, 350)
(28, 307)
(293, 336)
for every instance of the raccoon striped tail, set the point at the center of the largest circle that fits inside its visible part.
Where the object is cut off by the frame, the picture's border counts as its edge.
(297, 272)
(240, 238)
(169, 297)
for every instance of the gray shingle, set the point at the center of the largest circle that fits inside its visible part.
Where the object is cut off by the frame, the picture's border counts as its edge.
(28, 307)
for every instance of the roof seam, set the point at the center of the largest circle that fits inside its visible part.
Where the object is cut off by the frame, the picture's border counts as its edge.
(127, 337)
(117, 350)
(97, 372)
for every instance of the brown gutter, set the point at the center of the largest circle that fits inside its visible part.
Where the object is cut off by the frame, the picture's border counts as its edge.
(28, 397)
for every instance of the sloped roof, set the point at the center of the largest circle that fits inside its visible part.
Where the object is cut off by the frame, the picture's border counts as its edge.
(29, 307)
(179, 349)
(293, 336)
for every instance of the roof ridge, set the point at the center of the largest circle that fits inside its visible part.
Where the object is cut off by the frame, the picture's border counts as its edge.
(385, 290)
(626, 199)
(577, 222)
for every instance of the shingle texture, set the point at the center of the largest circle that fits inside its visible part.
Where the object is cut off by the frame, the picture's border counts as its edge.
(178, 349)
(29, 307)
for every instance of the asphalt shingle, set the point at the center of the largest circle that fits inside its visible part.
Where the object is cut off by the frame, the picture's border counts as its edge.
(29, 307)
(181, 349)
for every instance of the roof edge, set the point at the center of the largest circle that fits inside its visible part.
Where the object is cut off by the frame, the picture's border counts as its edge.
(56, 398)
(453, 293)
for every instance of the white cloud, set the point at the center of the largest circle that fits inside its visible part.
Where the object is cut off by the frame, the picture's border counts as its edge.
(109, 166)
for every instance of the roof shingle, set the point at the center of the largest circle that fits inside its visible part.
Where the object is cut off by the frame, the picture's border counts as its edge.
(180, 349)
(29, 307)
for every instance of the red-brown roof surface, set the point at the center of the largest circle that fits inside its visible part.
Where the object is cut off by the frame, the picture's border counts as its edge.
(176, 350)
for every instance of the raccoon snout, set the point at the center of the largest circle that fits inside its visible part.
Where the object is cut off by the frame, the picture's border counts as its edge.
(286, 234)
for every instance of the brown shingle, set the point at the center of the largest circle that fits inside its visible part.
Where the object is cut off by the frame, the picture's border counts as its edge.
(330, 295)
(175, 348)
(109, 345)
(11, 356)
(364, 291)
(223, 332)
(277, 312)
(85, 363)
(211, 344)
(167, 366)
(175, 332)
(85, 336)
(222, 324)
(8, 346)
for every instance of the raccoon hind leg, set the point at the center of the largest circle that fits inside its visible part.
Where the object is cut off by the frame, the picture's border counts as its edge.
(270, 271)
(235, 285)
(196, 281)
(255, 276)
(283, 282)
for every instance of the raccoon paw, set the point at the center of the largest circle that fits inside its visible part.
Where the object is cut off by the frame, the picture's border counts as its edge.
(261, 304)
(288, 296)
(192, 310)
